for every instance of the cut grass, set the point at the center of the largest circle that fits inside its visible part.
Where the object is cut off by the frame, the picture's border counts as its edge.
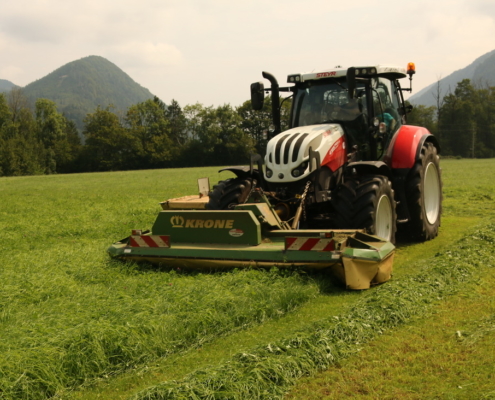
(60, 292)
(69, 314)
(266, 372)
(331, 301)
(99, 327)
(449, 355)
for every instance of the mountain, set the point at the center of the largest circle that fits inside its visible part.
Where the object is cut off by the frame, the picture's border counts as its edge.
(481, 72)
(80, 86)
(6, 86)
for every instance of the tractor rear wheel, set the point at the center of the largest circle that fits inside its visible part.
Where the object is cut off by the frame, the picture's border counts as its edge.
(424, 195)
(374, 207)
(343, 204)
(229, 193)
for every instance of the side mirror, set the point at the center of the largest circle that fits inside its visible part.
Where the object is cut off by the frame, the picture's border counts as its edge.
(351, 82)
(257, 95)
(409, 108)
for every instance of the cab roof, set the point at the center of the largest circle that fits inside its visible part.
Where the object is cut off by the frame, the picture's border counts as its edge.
(389, 71)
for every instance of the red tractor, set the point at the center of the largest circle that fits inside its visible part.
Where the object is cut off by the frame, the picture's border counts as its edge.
(348, 159)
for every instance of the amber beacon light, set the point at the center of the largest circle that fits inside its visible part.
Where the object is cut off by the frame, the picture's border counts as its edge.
(411, 69)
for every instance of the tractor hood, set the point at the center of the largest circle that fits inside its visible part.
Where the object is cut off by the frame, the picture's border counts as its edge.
(287, 157)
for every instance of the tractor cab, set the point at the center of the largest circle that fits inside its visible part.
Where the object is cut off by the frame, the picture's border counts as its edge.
(366, 101)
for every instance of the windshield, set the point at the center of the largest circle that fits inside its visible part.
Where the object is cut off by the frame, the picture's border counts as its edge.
(326, 101)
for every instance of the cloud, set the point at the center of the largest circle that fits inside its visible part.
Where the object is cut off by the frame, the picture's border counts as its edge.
(12, 72)
(29, 29)
(484, 7)
(147, 54)
(210, 50)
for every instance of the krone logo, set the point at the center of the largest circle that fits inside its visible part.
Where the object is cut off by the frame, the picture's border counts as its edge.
(177, 221)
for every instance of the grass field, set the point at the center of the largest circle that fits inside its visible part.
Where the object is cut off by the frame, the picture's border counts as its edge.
(75, 324)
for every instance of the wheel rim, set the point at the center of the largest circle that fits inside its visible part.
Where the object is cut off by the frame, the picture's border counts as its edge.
(383, 222)
(431, 193)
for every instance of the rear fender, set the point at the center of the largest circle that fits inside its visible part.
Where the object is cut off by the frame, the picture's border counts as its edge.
(405, 146)
(244, 172)
(402, 154)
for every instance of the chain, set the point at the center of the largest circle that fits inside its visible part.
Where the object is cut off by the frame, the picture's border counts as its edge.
(303, 198)
(253, 187)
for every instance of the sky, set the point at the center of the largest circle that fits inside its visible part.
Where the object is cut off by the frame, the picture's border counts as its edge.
(210, 51)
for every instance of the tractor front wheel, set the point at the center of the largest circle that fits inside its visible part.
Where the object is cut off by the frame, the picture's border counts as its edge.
(229, 193)
(374, 207)
(424, 195)
(366, 202)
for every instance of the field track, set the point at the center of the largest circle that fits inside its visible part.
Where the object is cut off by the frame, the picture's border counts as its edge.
(59, 285)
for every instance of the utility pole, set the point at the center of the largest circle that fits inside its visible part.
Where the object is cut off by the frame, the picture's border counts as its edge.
(473, 138)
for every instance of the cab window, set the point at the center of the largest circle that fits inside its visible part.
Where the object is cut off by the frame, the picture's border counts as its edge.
(386, 105)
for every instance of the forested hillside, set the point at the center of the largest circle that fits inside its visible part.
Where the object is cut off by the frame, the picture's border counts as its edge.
(80, 86)
(481, 73)
(6, 85)
(464, 123)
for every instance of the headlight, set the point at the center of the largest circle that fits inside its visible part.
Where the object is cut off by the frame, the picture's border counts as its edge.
(296, 172)
(269, 173)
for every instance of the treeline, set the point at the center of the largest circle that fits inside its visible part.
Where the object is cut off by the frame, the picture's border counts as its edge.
(149, 135)
(35, 142)
(41, 140)
(463, 121)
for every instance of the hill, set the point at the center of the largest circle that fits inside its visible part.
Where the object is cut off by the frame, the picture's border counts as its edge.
(481, 72)
(6, 85)
(80, 86)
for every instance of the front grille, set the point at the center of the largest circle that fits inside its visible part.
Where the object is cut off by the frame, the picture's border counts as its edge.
(287, 148)
(278, 147)
(297, 146)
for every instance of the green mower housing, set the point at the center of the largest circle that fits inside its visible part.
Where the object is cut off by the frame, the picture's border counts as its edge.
(185, 235)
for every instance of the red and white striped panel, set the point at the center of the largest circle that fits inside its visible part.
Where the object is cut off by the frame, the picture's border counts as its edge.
(149, 241)
(309, 244)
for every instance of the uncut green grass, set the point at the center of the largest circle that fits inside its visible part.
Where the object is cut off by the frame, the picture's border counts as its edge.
(69, 314)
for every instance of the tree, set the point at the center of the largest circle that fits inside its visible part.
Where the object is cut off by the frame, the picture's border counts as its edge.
(5, 114)
(216, 137)
(17, 101)
(21, 152)
(68, 150)
(423, 116)
(193, 114)
(257, 123)
(149, 126)
(109, 146)
(177, 122)
(457, 120)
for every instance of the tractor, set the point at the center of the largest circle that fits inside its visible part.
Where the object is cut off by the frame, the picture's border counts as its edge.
(348, 160)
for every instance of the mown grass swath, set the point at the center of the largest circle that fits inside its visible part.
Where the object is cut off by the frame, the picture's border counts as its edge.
(267, 372)
(62, 340)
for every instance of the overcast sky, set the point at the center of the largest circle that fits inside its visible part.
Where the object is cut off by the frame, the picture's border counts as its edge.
(209, 51)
